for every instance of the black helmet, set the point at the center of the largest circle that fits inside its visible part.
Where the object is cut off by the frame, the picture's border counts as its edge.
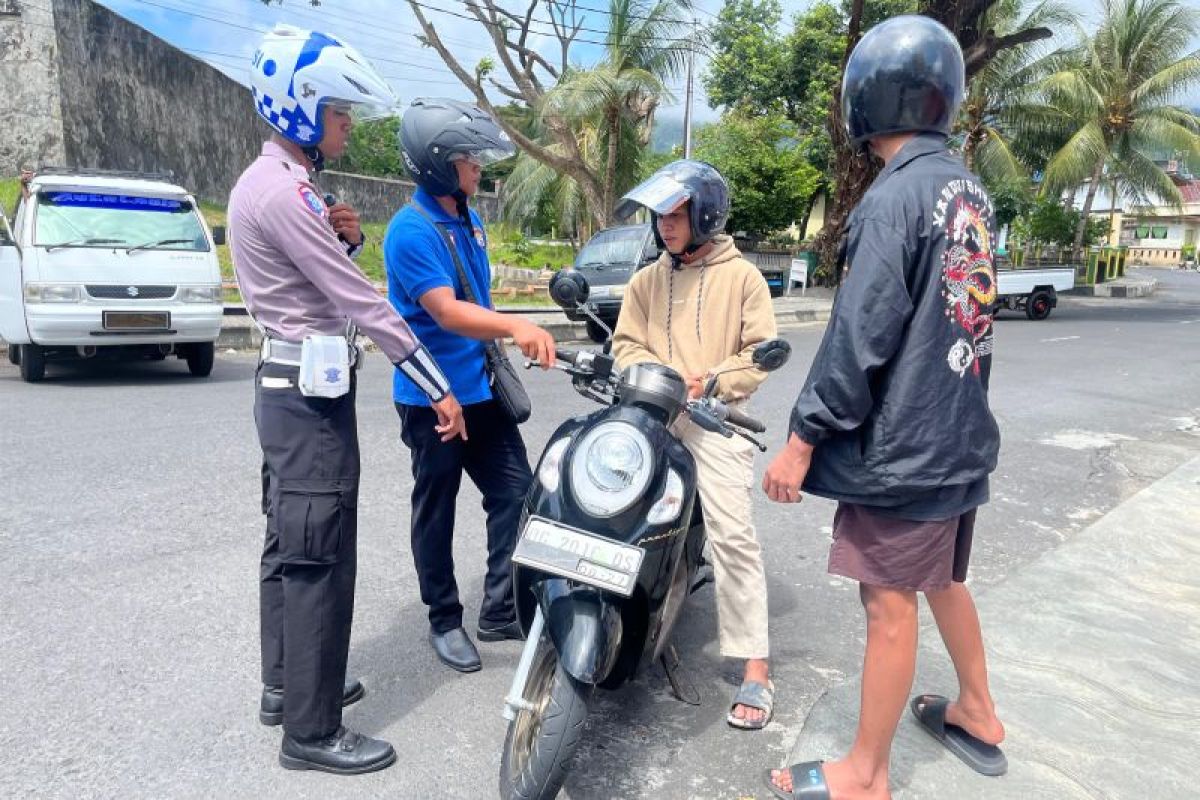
(434, 130)
(905, 75)
(678, 181)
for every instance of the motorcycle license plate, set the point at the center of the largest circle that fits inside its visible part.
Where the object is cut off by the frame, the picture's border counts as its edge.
(579, 556)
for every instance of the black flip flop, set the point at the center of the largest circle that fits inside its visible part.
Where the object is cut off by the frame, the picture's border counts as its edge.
(984, 758)
(808, 782)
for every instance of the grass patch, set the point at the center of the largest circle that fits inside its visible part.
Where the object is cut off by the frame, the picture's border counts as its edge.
(10, 190)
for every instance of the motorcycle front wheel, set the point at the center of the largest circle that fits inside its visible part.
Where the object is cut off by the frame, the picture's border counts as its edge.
(541, 742)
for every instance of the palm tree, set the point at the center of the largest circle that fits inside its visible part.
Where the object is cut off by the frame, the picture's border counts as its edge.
(1115, 102)
(999, 96)
(611, 108)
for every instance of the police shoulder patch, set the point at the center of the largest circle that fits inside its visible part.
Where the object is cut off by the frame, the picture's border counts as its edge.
(312, 201)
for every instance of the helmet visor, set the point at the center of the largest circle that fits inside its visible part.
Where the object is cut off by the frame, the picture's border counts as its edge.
(367, 112)
(484, 157)
(660, 193)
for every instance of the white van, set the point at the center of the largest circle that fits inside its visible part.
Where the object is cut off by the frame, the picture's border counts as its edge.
(108, 264)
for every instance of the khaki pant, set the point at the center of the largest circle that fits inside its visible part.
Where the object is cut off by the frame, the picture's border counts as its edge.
(725, 472)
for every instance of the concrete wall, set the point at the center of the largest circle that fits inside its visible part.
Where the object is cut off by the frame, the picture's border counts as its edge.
(377, 199)
(30, 105)
(132, 101)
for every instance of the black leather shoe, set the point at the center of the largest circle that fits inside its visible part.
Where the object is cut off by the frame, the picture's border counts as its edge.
(498, 633)
(456, 650)
(344, 753)
(270, 708)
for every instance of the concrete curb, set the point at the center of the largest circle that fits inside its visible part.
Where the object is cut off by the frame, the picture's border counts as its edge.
(239, 333)
(1118, 288)
(1091, 652)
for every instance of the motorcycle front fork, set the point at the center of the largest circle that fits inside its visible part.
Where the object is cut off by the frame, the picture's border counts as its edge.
(516, 702)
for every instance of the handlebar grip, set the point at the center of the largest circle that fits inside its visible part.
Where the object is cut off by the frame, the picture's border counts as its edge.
(735, 417)
(563, 354)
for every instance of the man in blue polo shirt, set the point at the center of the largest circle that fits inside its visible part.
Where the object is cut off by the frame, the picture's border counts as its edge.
(445, 145)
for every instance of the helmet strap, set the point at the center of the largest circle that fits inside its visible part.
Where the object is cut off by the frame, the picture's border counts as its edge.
(315, 157)
(460, 200)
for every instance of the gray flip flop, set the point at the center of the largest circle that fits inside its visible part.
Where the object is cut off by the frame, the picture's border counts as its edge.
(753, 694)
(984, 758)
(808, 782)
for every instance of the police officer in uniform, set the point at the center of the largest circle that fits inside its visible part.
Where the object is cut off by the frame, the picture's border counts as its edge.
(292, 252)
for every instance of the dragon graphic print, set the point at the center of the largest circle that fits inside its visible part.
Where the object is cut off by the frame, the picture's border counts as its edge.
(964, 212)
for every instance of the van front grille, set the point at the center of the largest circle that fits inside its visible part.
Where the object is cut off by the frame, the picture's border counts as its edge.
(130, 292)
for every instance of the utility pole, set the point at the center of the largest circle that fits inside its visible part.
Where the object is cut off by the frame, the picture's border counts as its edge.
(687, 108)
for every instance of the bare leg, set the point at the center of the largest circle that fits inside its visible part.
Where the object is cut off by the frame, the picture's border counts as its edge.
(888, 669)
(958, 622)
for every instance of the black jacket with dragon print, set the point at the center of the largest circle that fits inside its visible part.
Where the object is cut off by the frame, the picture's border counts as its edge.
(896, 399)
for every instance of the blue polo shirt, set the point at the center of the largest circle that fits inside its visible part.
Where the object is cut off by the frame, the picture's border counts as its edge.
(418, 260)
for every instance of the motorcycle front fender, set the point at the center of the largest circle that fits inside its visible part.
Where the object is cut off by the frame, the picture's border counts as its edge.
(584, 626)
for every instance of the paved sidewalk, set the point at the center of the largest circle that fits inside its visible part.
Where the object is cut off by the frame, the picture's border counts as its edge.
(1093, 651)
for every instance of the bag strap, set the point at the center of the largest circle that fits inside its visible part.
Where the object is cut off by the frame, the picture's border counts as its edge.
(449, 240)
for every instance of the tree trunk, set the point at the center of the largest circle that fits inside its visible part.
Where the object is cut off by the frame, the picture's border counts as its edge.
(610, 169)
(853, 171)
(1081, 229)
(809, 206)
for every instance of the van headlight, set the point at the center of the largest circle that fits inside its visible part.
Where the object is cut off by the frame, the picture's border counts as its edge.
(611, 468)
(200, 294)
(52, 293)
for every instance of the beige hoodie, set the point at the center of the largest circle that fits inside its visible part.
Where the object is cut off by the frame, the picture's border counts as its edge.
(719, 308)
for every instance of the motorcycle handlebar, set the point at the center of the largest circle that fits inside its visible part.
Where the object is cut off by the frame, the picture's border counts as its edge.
(735, 417)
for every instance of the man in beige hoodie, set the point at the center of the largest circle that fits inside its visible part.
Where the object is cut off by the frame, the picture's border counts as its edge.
(701, 309)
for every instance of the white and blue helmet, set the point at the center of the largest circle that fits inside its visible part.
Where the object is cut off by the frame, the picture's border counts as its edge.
(295, 72)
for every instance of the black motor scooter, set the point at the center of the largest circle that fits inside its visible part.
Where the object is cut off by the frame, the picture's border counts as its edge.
(611, 545)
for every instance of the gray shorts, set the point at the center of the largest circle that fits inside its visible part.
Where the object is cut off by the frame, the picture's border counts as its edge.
(900, 553)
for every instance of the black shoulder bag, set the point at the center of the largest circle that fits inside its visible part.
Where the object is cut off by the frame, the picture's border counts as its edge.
(506, 385)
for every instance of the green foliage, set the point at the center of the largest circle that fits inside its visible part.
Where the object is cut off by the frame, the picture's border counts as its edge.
(10, 189)
(770, 179)
(1012, 198)
(374, 149)
(1048, 222)
(750, 57)
(509, 246)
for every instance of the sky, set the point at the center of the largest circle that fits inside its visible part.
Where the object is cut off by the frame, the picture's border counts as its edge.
(226, 33)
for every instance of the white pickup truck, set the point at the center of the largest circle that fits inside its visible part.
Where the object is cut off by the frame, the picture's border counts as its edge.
(1033, 290)
(102, 263)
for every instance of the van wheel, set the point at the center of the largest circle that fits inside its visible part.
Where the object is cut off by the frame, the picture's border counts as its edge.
(32, 362)
(595, 332)
(200, 358)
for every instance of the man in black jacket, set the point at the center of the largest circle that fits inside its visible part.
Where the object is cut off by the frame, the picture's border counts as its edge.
(893, 420)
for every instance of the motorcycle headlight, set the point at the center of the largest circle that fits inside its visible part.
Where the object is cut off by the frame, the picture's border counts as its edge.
(200, 294)
(550, 470)
(52, 293)
(611, 468)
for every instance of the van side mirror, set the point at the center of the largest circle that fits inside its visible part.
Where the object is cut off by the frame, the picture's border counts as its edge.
(218, 232)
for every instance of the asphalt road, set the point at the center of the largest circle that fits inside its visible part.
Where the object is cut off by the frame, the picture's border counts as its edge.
(129, 541)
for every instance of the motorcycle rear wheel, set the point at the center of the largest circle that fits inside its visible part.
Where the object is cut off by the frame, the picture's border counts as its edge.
(541, 743)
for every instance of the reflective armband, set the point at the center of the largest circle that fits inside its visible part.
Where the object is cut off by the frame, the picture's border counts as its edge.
(420, 368)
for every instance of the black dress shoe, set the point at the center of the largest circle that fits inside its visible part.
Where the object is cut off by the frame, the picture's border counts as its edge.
(270, 709)
(498, 633)
(456, 650)
(344, 753)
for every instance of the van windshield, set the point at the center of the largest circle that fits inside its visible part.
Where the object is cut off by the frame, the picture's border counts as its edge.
(86, 219)
(617, 246)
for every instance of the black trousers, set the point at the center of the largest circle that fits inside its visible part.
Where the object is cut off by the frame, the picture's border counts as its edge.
(306, 592)
(495, 459)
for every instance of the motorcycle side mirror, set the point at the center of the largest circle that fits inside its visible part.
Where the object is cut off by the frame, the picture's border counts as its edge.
(768, 356)
(772, 354)
(569, 289)
(218, 233)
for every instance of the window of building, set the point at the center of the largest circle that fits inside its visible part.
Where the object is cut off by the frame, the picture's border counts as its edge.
(9, 7)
